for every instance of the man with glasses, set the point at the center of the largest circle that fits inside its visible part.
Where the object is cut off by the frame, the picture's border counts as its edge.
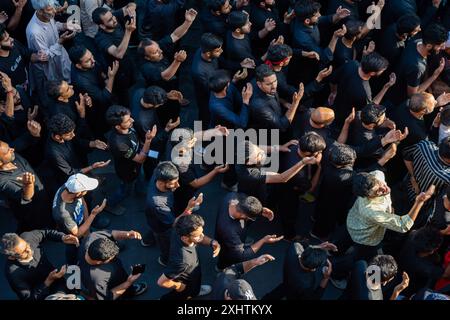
(233, 221)
(28, 270)
(183, 273)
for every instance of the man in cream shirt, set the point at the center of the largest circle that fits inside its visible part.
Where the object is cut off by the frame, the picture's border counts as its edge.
(372, 213)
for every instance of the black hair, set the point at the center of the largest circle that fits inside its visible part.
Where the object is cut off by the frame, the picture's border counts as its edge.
(426, 239)
(76, 53)
(407, 23)
(115, 113)
(313, 258)
(97, 15)
(210, 42)
(420, 101)
(279, 52)
(60, 124)
(166, 171)
(219, 80)
(342, 155)
(248, 205)
(434, 34)
(142, 45)
(262, 71)
(372, 113)
(373, 62)
(103, 249)
(353, 28)
(186, 224)
(444, 148)
(215, 5)
(387, 264)
(306, 9)
(154, 95)
(311, 142)
(3, 30)
(53, 89)
(237, 19)
(363, 183)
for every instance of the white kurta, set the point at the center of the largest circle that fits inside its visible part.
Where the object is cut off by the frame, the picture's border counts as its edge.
(44, 36)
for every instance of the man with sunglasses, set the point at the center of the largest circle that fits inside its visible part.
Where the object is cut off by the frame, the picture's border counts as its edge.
(233, 221)
(28, 270)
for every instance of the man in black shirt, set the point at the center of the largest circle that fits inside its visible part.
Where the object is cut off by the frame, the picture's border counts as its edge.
(156, 68)
(335, 192)
(14, 58)
(126, 150)
(160, 17)
(214, 17)
(103, 276)
(306, 38)
(24, 191)
(204, 64)
(350, 87)
(393, 39)
(28, 271)
(418, 259)
(303, 182)
(253, 178)
(238, 50)
(113, 42)
(183, 273)
(265, 109)
(153, 99)
(229, 284)
(160, 210)
(65, 154)
(87, 79)
(232, 227)
(306, 272)
(413, 64)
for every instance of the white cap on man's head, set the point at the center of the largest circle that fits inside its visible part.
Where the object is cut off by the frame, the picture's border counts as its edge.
(80, 182)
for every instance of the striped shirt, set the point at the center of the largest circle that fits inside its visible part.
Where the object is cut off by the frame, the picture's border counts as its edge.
(428, 168)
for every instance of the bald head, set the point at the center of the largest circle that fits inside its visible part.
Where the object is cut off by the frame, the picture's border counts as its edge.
(322, 116)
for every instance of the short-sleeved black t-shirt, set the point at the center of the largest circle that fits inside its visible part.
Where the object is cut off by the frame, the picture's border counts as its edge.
(225, 279)
(151, 70)
(67, 215)
(97, 281)
(124, 148)
(15, 64)
(34, 213)
(251, 181)
(342, 54)
(352, 91)
(183, 265)
(410, 71)
(159, 208)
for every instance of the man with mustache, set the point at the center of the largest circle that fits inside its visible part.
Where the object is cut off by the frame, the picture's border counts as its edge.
(43, 34)
(15, 57)
(372, 213)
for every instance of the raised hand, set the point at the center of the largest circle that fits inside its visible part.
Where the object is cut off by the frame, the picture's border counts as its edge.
(98, 208)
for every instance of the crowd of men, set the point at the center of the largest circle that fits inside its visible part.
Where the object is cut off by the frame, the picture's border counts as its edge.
(355, 96)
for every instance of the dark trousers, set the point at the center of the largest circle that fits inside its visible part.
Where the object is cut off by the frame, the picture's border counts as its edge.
(288, 204)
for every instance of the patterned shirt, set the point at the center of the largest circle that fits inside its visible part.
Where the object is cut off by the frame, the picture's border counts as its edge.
(369, 218)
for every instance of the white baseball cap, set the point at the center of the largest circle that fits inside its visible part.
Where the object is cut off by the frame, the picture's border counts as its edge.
(80, 182)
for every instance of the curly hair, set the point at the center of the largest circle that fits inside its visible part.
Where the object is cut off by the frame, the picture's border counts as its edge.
(9, 242)
(60, 124)
(103, 249)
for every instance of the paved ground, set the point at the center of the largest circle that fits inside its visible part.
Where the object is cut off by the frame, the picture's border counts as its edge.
(263, 279)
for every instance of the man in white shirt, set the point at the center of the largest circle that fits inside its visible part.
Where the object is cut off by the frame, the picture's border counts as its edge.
(43, 35)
